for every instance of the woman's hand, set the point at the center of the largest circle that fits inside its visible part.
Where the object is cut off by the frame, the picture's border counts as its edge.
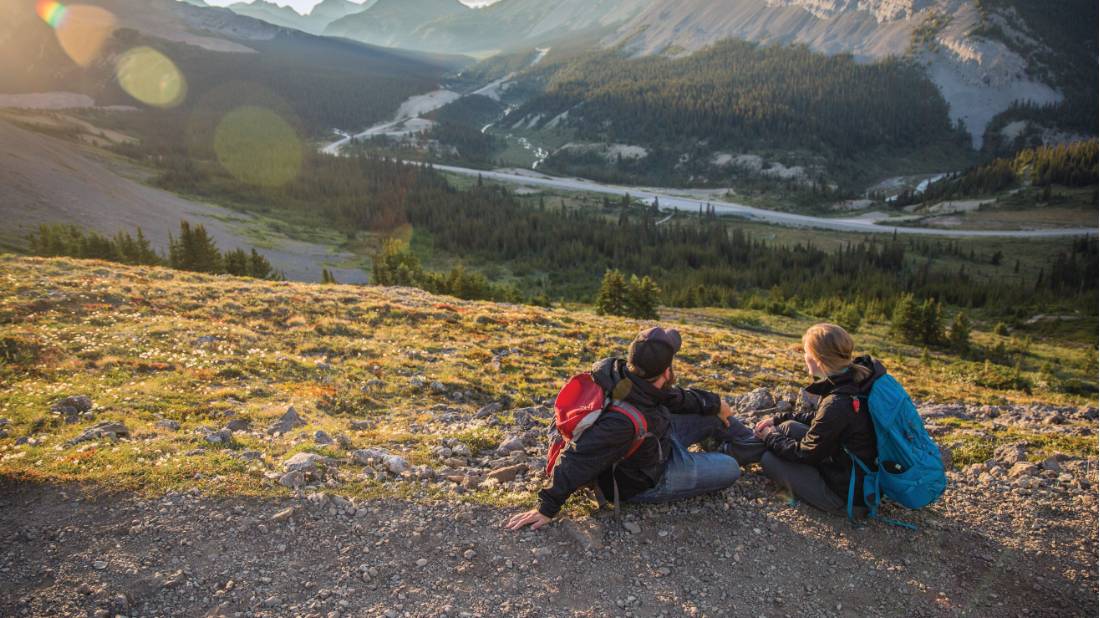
(764, 427)
(532, 518)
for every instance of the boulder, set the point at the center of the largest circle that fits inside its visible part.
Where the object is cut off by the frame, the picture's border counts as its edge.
(239, 424)
(393, 463)
(293, 479)
(223, 436)
(321, 437)
(512, 443)
(507, 474)
(108, 429)
(1054, 462)
(1009, 454)
(1023, 468)
(1087, 413)
(288, 421)
(307, 462)
(71, 408)
(489, 410)
(757, 400)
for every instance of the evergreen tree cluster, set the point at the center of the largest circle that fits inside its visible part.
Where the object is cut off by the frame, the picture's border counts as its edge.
(918, 322)
(396, 265)
(72, 241)
(192, 250)
(1070, 165)
(631, 297)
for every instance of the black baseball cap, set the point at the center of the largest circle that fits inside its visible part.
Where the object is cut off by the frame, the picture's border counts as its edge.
(652, 350)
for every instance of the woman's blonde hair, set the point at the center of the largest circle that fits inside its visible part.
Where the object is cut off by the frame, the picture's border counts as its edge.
(831, 346)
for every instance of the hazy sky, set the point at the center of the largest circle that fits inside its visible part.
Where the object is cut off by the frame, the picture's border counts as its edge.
(302, 6)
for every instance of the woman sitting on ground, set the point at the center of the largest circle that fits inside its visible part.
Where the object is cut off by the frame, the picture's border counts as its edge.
(805, 450)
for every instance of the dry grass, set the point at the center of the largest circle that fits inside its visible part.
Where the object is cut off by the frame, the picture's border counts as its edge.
(151, 344)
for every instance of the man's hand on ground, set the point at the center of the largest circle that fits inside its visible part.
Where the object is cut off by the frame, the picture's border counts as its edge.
(532, 518)
(724, 414)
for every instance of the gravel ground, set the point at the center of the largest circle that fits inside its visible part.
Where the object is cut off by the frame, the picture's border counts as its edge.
(71, 551)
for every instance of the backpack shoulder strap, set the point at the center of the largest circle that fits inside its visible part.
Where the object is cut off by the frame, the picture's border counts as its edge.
(641, 427)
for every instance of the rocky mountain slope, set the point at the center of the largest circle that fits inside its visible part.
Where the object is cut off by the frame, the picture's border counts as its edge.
(179, 444)
(979, 74)
(313, 22)
(387, 21)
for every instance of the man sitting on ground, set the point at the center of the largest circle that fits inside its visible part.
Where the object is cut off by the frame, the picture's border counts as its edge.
(661, 469)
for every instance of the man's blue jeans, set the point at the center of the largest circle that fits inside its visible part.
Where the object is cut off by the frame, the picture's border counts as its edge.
(690, 474)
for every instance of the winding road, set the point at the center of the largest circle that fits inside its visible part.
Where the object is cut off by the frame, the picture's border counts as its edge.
(873, 222)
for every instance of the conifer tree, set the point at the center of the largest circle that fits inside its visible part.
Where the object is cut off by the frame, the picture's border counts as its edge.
(259, 266)
(195, 250)
(906, 321)
(931, 322)
(643, 298)
(236, 263)
(612, 297)
(959, 333)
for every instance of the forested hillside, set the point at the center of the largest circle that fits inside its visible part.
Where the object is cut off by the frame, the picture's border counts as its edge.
(1070, 165)
(739, 93)
(734, 97)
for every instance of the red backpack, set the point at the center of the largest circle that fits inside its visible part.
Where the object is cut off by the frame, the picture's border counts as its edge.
(580, 402)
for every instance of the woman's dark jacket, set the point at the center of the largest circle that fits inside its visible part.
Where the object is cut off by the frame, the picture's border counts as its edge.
(603, 444)
(833, 425)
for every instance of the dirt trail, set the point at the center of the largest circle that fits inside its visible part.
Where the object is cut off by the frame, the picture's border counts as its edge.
(745, 552)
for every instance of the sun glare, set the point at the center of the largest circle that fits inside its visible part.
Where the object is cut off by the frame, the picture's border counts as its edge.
(151, 77)
(257, 146)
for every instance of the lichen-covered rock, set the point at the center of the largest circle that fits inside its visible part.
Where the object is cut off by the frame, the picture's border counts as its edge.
(288, 421)
(112, 430)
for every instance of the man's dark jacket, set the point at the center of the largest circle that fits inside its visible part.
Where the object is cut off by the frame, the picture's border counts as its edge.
(592, 456)
(833, 425)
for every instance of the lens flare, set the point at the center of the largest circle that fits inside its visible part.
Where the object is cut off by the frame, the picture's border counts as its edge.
(51, 12)
(150, 77)
(257, 146)
(81, 29)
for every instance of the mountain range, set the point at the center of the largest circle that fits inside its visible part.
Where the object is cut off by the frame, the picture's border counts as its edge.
(984, 56)
(313, 22)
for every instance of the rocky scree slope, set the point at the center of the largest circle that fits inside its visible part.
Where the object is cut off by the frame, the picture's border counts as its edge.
(180, 444)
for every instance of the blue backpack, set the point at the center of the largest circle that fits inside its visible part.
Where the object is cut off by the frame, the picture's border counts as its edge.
(909, 469)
